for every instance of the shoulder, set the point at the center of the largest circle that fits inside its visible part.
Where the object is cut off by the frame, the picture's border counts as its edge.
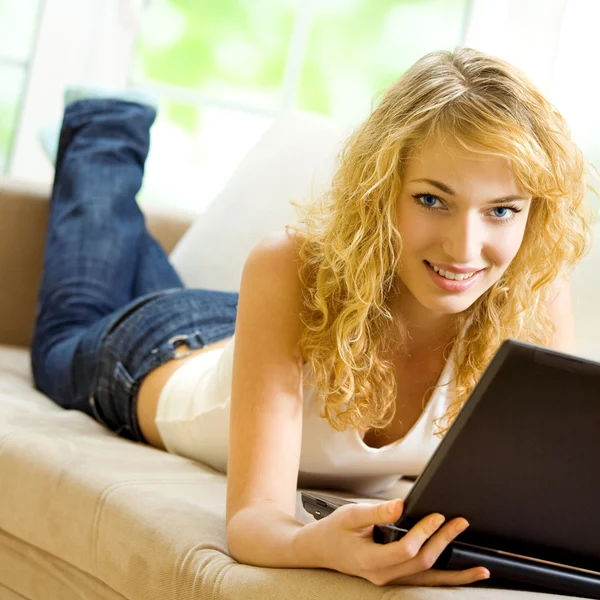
(271, 297)
(280, 246)
(275, 261)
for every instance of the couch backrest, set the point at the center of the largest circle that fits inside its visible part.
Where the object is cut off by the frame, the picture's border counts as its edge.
(23, 222)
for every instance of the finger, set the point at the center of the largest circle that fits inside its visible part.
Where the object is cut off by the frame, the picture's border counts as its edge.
(356, 516)
(408, 547)
(438, 542)
(441, 577)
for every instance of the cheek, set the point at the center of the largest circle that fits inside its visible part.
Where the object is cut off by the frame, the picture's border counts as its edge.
(418, 233)
(505, 244)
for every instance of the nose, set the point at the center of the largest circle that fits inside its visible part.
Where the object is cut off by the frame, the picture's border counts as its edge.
(464, 239)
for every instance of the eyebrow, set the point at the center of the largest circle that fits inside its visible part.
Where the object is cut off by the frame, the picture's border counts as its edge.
(451, 192)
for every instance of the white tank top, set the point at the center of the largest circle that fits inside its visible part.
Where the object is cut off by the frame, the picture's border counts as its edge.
(193, 421)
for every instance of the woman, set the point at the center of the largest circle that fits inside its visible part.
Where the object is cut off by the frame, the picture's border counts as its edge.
(452, 223)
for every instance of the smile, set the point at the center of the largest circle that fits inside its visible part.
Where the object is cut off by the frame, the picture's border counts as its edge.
(450, 281)
(451, 275)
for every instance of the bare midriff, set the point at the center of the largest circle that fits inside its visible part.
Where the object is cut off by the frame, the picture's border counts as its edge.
(153, 384)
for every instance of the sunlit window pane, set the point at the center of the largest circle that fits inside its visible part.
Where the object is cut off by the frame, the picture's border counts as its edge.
(193, 152)
(233, 49)
(357, 48)
(575, 90)
(12, 79)
(18, 20)
(218, 65)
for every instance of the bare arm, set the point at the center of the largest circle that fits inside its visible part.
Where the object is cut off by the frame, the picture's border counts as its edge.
(266, 410)
(264, 451)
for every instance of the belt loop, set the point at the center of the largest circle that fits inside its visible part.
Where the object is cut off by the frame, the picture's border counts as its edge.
(198, 336)
(179, 340)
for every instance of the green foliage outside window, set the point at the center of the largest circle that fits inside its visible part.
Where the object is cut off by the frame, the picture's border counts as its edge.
(238, 49)
(232, 49)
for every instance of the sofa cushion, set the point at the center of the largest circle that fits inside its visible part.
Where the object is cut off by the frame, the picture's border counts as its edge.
(293, 160)
(29, 572)
(148, 524)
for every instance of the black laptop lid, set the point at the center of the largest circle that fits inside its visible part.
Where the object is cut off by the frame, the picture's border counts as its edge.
(520, 462)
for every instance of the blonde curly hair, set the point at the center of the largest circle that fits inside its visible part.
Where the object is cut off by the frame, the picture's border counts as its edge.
(350, 246)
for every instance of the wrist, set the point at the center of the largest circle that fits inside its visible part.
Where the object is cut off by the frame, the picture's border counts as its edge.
(306, 548)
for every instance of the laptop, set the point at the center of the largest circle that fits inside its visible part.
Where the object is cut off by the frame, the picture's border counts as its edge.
(521, 464)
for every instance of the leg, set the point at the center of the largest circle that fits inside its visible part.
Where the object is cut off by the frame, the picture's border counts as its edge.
(95, 339)
(154, 271)
(95, 223)
(95, 239)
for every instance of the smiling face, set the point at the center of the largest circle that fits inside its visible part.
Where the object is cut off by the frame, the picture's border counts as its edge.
(462, 218)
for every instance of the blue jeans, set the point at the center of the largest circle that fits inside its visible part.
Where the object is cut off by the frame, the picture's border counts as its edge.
(111, 307)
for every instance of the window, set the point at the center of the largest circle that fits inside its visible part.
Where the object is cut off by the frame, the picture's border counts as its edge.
(18, 22)
(575, 85)
(225, 69)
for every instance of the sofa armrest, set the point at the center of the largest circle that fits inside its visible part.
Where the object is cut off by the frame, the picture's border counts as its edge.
(23, 222)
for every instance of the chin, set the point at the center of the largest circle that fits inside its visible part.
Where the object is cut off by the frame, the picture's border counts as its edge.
(448, 305)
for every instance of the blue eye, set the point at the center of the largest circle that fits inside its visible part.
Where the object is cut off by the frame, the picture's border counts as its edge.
(426, 200)
(502, 212)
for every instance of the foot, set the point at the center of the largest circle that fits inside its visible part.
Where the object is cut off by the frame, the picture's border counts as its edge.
(85, 91)
(49, 134)
(48, 137)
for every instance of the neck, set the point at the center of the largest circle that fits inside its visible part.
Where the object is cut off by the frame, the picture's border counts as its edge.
(423, 331)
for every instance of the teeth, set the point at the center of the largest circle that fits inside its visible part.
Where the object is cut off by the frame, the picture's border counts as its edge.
(451, 275)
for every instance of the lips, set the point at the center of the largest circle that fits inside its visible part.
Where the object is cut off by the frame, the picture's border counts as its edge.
(453, 285)
(454, 270)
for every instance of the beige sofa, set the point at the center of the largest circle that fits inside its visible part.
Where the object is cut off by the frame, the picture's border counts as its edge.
(85, 514)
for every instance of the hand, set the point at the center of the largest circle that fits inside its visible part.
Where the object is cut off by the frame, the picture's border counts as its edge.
(344, 542)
